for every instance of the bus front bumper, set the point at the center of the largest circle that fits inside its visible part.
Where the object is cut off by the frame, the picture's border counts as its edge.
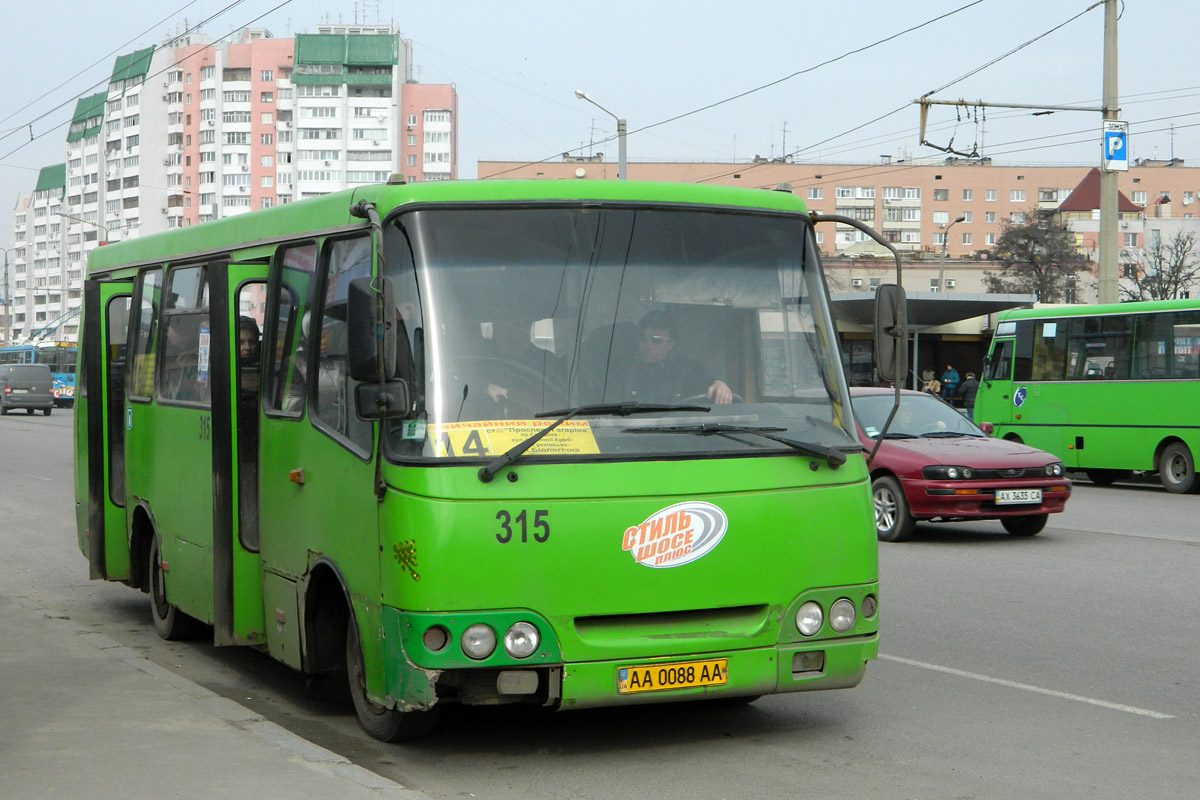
(799, 667)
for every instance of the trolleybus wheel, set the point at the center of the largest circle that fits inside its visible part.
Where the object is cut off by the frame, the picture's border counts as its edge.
(385, 724)
(1106, 477)
(893, 523)
(1025, 526)
(169, 621)
(1177, 468)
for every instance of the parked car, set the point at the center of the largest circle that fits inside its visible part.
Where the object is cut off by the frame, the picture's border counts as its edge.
(27, 386)
(934, 464)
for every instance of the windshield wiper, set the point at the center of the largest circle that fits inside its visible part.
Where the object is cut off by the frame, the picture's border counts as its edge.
(834, 457)
(486, 473)
(899, 435)
(944, 434)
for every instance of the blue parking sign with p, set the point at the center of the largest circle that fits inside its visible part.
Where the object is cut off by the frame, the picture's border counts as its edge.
(1116, 145)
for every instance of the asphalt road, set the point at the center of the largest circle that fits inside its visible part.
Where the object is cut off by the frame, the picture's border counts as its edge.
(1060, 666)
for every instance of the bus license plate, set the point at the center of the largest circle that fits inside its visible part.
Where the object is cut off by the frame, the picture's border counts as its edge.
(681, 675)
(1012, 497)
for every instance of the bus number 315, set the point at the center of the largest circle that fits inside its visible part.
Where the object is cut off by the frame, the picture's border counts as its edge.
(541, 526)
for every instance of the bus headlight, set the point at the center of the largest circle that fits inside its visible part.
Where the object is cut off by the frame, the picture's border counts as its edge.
(809, 618)
(1054, 470)
(842, 615)
(521, 640)
(478, 641)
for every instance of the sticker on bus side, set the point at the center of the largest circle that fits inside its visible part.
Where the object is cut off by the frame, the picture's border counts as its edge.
(1019, 396)
(494, 436)
(676, 535)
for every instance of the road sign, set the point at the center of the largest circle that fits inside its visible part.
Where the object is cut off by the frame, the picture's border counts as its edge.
(1116, 145)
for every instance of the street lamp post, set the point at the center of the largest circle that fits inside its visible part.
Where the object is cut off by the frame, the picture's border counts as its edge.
(85, 222)
(582, 95)
(942, 265)
(7, 301)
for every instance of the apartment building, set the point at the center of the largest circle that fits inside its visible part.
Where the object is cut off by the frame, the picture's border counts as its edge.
(195, 130)
(913, 204)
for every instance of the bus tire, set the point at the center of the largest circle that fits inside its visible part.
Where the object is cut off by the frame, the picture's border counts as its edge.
(1106, 477)
(893, 523)
(385, 724)
(1025, 526)
(1177, 468)
(169, 622)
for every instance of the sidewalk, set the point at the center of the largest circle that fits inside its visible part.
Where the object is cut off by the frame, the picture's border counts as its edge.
(81, 716)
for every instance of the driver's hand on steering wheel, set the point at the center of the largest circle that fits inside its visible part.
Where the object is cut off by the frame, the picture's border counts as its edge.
(719, 393)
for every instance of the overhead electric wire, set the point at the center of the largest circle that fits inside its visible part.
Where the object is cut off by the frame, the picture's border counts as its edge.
(118, 49)
(208, 46)
(768, 85)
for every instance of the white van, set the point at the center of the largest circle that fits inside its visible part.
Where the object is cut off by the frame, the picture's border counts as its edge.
(27, 386)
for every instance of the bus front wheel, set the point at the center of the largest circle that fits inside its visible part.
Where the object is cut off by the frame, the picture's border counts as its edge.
(1177, 468)
(169, 622)
(385, 724)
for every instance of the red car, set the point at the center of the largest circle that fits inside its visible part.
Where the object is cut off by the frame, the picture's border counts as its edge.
(935, 464)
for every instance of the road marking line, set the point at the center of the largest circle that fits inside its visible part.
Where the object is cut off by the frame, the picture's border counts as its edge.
(1028, 688)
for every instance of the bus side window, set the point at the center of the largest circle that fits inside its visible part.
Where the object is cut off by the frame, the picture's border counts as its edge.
(334, 399)
(1000, 365)
(145, 334)
(288, 349)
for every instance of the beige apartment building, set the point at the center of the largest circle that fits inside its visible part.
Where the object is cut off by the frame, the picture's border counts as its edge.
(944, 217)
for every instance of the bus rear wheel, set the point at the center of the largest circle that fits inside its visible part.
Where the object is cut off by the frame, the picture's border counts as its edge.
(169, 622)
(1177, 469)
(385, 724)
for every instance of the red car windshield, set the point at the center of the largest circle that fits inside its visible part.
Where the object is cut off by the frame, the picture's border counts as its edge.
(918, 415)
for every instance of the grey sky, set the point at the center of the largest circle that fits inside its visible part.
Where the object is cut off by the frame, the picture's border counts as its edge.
(516, 66)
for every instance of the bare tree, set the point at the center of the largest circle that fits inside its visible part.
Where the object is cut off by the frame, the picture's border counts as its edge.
(1036, 257)
(1162, 271)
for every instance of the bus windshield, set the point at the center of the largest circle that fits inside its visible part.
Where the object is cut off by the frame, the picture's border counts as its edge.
(514, 313)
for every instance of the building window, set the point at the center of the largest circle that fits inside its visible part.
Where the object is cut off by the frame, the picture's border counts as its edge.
(941, 217)
(1017, 196)
(989, 217)
(966, 238)
(1017, 217)
(1129, 240)
(989, 238)
(816, 193)
(1138, 197)
(941, 194)
(939, 239)
(990, 195)
(266, 97)
(267, 76)
(968, 195)
(267, 138)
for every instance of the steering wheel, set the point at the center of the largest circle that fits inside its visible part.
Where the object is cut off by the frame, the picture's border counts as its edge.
(704, 398)
(528, 390)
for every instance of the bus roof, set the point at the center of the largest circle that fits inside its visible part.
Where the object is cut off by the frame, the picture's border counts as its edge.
(1141, 307)
(333, 210)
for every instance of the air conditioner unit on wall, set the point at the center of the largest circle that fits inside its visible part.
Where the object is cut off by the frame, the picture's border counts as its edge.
(856, 282)
(950, 284)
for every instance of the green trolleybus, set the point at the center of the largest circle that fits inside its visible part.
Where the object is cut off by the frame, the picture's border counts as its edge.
(569, 444)
(1108, 389)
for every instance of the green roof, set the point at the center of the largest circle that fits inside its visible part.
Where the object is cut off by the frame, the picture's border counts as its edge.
(87, 108)
(54, 177)
(135, 64)
(358, 50)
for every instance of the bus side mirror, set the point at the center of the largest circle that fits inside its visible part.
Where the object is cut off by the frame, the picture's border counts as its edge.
(891, 324)
(371, 329)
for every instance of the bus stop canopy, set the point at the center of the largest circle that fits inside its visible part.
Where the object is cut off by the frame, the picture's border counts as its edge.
(927, 309)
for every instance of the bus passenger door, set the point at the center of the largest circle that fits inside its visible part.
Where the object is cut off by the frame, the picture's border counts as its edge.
(995, 401)
(100, 430)
(239, 294)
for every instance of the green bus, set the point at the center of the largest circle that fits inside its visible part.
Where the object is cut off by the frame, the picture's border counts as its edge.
(569, 444)
(1109, 389)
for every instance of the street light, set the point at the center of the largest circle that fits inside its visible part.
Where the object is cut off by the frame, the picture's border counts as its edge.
(7, 301)
(942, 266)
(85, 222)
(582, 95)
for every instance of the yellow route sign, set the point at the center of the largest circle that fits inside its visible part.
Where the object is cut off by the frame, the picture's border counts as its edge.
(493, 437)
